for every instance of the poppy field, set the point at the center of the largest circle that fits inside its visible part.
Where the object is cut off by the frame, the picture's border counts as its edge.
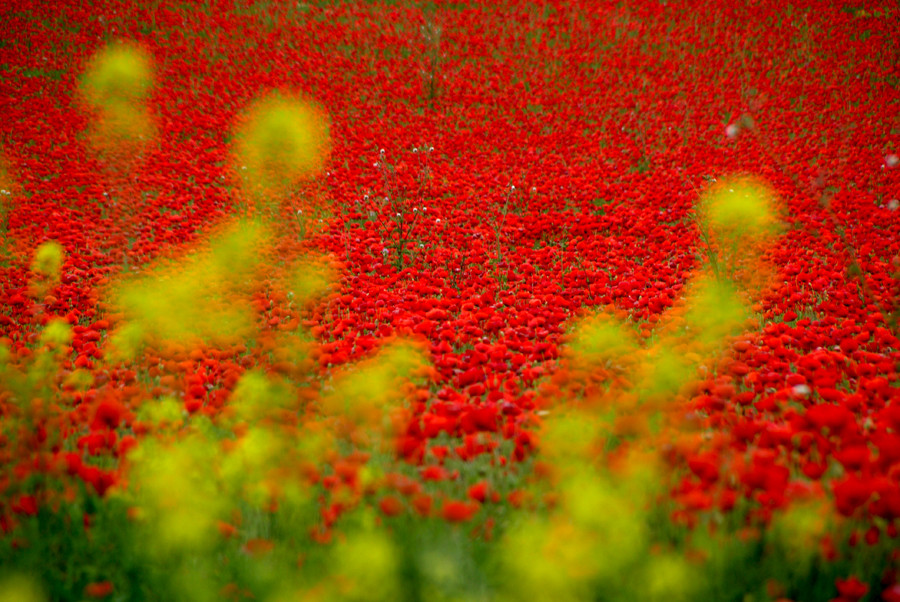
(448, 301)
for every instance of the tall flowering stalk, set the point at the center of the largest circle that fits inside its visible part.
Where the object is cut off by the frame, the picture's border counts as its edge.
(282, 140)
(114, 89)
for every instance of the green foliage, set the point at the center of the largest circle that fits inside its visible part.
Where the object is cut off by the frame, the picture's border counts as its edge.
(18, 588)
(62, 557)
(367, 565)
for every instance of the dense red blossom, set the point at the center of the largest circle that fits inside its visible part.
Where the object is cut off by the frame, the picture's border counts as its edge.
(544, 176)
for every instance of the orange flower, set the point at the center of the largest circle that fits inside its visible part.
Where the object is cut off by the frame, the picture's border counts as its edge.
(516, 498)
(258, 547)
(226, 529)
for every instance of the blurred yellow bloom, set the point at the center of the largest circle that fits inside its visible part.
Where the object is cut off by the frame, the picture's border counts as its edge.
(281, 141)
(121, 72)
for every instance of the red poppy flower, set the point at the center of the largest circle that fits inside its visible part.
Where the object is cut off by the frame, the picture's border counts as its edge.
(850, 493)
(479, 491)
(851, 589)
(390, 505)
(98, 589)
(422, 503)
(457, 512)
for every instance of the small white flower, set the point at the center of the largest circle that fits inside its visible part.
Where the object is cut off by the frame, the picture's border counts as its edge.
(381, 152)
(732, 130)
(437, 221)
(891, 160)
(384, 251)
(801, 390)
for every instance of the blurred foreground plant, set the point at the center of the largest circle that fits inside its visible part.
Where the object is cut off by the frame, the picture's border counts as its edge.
(738, 220)
(613, 522)
(275, 496)
(281, 141)
(113, 90)
(200, 300)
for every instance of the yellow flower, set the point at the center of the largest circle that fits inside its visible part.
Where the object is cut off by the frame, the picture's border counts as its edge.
(282, 141)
